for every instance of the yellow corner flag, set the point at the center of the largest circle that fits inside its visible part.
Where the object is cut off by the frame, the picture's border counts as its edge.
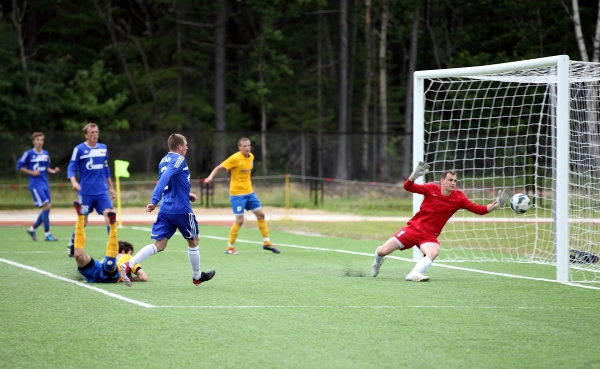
(120, 171)
(121, 168)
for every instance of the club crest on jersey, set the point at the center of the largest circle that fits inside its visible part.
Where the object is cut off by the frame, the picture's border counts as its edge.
(91, 166)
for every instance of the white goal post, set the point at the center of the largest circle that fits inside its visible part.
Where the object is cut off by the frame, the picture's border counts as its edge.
(531, 126)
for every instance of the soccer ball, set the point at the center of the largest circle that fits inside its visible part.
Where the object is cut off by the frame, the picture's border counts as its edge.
(520, 203)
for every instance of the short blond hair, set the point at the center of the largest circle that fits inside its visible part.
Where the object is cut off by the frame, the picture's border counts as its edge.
(36, 135)
(88, 126)
(243, 139)
(175, 140)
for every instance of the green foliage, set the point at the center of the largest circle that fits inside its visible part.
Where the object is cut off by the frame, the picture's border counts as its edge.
(166, 80)
(86, 101)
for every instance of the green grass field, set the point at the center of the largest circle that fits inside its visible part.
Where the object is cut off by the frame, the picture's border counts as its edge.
(315, 305)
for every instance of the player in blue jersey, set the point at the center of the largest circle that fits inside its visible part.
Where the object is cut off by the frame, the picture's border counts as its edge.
(175, 213)
(35, 163)
(90, 161)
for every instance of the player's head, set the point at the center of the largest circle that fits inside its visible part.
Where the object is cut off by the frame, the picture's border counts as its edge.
(91, 133)
(125, 248)
(38, 140)
(177, 143)
(244, 145)
(448, 181)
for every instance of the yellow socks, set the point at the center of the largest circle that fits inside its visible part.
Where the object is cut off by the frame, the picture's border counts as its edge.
(79, 233)
(233, 233)
(112, 247)
(264, 230)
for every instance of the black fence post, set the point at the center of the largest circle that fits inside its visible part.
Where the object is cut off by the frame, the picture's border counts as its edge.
(206, 193)
(316, 189)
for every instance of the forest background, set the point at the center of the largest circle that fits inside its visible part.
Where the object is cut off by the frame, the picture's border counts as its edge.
(267, 69)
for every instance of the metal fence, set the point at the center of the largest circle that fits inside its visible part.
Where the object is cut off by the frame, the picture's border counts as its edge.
(276, 153)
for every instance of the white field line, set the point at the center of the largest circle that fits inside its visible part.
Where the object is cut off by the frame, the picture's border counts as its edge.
(84, 285)
(391, 257)
(374, 307)
(146, 305)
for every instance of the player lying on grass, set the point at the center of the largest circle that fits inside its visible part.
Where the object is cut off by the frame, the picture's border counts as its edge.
(422, 230)
(117, 252)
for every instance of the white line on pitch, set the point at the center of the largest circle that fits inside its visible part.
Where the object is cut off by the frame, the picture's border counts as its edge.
(371, 307)
(392, 257)
(85, 285)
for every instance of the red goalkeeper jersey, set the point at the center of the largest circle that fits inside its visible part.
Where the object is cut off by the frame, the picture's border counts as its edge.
(436, 208)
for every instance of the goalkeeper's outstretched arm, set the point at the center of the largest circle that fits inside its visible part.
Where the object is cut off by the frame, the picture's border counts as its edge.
(503, 196)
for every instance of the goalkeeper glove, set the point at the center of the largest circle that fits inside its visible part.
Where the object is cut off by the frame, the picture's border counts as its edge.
(421, 169)
(503, 196)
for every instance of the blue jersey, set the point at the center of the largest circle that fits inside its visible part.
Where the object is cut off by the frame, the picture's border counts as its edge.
(92, 165)
(33, 160)
(173, 185)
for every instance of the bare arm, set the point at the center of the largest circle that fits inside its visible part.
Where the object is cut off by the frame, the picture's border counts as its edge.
(213, 173)
(54, 171)
(75, 184)
(140, 276)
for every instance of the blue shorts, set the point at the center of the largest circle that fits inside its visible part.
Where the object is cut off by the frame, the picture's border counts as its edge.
(244, 202)
(98, 202)
(167, 224)
(94, 273)
(40, 196)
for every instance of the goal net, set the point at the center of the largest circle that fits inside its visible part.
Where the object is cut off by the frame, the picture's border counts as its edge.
(531, 126)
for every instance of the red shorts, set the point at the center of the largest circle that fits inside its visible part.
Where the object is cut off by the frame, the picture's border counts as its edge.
(410, 236)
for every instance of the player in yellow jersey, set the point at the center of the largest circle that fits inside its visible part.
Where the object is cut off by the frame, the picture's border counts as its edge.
(117, 253)
(242, 197)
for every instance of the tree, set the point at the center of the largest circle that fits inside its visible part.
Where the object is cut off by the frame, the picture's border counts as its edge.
(368, 81)
(220, 117)
(383, 163)
(408, 115)
(342, 162)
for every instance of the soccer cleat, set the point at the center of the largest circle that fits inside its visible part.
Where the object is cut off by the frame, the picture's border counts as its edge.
(125, 270)
(112, 217)
(271, 248)
(417, 277)
(70, 250)
(50, 238)
(79, 208)
(230, 250)
(204, 276)
(375, 267)
(32, 234)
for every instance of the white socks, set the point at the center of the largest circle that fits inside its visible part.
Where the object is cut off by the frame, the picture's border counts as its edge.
(194, 256)
(377, 257)
(422, 265)
(143, 254)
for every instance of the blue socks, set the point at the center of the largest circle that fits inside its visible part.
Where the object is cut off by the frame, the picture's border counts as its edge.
(45, 215)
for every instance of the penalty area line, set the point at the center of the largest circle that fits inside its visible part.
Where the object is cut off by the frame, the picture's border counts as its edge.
(84, 285)
(393, 257)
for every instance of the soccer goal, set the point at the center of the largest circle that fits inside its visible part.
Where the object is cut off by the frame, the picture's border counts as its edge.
(532, 126)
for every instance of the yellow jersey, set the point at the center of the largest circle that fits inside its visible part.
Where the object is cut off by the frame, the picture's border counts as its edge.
(240, 168)
(123, 258)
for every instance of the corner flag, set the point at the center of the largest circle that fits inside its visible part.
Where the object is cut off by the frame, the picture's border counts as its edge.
(121, 168)
(120, 171)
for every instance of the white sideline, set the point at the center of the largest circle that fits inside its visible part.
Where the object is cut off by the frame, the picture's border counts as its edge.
(85, 285)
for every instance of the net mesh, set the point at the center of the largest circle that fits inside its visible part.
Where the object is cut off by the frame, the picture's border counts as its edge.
(499, 130)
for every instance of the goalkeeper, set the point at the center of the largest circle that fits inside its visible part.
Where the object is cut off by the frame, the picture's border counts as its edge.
(422, 230)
